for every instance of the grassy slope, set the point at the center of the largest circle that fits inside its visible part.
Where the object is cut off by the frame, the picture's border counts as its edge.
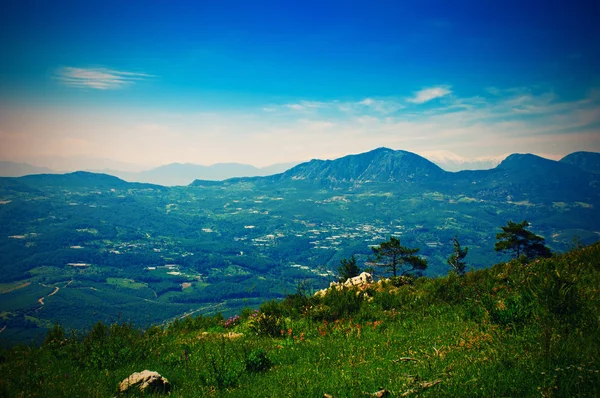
(512, 330)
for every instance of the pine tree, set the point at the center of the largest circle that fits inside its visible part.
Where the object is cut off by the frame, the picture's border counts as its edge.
(348, 269)
(518, 240)
(393, 255)
(456, 258)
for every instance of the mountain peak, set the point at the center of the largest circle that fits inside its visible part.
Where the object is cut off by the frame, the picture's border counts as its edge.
(378, 165)
(588, 161)
(519, 160)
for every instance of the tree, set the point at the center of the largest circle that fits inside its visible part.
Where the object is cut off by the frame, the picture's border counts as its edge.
(393, 255)
(456, 258)
(348, 269)
(514, 237)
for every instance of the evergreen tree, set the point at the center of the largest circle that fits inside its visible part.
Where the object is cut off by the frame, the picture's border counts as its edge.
(348, 269)
(456, 258)
(393, 255)
(518, 240)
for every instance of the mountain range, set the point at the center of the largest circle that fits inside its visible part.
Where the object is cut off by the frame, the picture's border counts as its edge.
(518, 177)
(384, 166)
(168, 175)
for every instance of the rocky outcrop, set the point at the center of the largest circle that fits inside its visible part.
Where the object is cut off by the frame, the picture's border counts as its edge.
(145, 381)
(360, 281)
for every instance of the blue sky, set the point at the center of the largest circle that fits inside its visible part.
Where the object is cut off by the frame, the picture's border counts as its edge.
(150, 83)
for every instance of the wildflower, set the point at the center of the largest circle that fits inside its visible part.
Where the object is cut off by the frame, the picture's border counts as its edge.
(289, 332)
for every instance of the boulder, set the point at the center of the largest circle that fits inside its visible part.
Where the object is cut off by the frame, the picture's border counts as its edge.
(145, 381)
(363, 279)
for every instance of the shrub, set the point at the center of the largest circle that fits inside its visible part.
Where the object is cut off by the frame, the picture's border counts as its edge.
(257, 361)
(513, 310)
(267, 325)
(399, 281)
(342, 303)
(54, 336)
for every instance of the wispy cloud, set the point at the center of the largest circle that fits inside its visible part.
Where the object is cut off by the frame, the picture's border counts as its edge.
(366, 105)
(98, 78)
(428, 94)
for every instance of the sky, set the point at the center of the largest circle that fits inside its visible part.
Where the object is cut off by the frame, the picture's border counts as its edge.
(137, 84)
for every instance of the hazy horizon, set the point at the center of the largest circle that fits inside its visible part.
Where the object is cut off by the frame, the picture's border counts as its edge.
(445, 159)
(144, 85)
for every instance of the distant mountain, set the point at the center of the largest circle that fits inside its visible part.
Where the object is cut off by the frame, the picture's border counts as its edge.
(529, 177)
(379, 165)
(588, 161)
(184, 173)
(78, 179)
(13, 169)
(518, 178)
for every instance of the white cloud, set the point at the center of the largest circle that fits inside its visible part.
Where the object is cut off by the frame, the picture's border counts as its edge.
(428, 94)
(98, 78)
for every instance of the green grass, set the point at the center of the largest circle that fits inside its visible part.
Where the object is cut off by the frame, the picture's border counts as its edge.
(515, 330)
(126, 283)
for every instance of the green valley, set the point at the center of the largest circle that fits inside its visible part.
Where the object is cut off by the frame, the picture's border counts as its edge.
(82, 247)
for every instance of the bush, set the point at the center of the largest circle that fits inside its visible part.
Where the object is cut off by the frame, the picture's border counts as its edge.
(257, 361)
(399, 281)
(340, 304)
(267, 325)
(109, 347)
(513, 310)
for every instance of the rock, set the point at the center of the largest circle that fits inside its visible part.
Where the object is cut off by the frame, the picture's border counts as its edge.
(363, 279)
(145, 381)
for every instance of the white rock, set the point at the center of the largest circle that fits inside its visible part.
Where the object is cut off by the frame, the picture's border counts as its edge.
(145, 380)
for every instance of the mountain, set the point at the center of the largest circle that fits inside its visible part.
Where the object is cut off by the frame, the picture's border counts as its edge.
(529, 177)
(13, 169)
(184, 173)
(379, 165)
(76, 180)
(519, 177)
(588, 161)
